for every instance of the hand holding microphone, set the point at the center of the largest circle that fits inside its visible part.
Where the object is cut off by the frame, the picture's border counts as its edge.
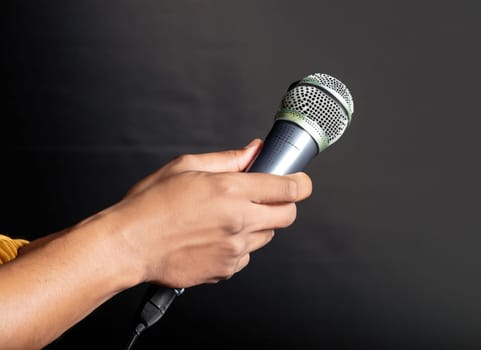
(194, 221)
(313, 114)
(202, 216)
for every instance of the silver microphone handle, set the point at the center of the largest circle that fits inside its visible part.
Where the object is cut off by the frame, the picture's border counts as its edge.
(287, 149)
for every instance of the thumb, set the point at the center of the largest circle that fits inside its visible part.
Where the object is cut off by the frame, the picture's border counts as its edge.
(231, 160)
(225, 161)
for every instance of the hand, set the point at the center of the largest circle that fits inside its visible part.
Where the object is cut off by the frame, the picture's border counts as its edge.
(197, 219)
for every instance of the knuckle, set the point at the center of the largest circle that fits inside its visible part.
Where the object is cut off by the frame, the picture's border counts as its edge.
(236, 224)
(234, 247)
(226, 184)
(233, 221)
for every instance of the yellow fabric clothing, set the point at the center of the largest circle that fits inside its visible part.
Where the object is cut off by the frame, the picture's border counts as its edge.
(9, 248)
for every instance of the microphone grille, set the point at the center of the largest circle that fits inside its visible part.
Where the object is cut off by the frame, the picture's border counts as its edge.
(321, 104)
(334, 86)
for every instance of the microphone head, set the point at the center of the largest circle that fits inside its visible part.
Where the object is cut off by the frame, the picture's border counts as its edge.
(321, 105)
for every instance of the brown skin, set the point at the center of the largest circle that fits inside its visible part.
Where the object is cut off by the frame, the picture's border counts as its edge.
(196, 220)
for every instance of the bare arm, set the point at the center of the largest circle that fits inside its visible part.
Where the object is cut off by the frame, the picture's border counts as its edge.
(196, 220)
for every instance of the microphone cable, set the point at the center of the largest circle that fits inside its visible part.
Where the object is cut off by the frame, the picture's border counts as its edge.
(153, 310)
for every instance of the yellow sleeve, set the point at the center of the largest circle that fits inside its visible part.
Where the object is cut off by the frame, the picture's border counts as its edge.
(9, 248)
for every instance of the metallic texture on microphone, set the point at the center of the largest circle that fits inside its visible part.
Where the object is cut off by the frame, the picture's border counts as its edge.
(313, 114)
(321, 105)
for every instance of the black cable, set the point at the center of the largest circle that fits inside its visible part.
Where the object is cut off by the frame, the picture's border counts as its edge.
(139, 329)
(159, 300)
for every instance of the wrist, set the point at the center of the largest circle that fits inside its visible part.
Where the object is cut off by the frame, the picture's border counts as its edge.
(113, 253)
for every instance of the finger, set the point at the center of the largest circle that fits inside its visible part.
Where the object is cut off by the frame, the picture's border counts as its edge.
(243, 262)
(265, 188)
(225, 161)
(262, 217)
(269, 189)
(304, 185)
(259, 239)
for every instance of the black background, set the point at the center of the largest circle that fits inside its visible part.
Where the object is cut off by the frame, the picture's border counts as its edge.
(385, 252)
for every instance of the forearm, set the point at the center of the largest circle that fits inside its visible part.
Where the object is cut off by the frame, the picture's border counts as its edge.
(55, 284)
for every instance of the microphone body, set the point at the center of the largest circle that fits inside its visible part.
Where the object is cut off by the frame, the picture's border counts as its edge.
(287, 149)
(313, 114)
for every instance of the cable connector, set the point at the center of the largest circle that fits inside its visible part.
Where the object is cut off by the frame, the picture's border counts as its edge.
(154, 309)
(157, 305)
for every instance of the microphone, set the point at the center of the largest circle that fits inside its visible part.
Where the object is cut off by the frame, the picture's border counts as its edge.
(313, 114)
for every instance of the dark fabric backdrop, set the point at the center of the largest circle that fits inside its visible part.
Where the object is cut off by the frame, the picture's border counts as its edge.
(385, 252)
